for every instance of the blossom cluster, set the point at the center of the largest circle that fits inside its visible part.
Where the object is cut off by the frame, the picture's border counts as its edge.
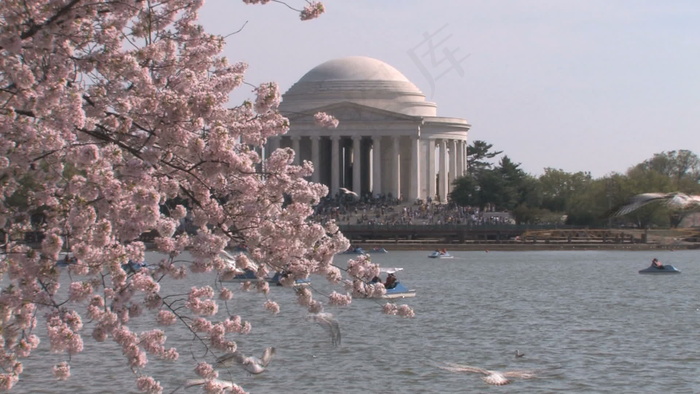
(313, 10)
(325, 120)
(206, 307)
(398, 310)
(362, 268)
(117, 127)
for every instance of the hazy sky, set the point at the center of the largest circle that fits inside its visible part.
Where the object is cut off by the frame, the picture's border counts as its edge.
(577, 85)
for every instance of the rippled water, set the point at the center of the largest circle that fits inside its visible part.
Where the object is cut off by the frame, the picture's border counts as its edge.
(586, 318)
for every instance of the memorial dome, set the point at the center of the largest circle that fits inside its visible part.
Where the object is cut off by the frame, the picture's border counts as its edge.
(357, 79)
(354, 68)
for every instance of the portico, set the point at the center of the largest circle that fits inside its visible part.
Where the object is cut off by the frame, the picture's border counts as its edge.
(388, 141)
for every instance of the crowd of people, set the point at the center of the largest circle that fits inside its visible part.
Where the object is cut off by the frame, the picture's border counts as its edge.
(386, 210)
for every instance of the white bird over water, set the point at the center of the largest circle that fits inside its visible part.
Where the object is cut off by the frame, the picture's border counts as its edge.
(672, 200)
(224, 384)
(496, 378)
(518, 354)
(251, 364)
(329, 323)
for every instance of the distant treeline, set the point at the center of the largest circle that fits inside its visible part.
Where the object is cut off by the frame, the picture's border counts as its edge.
(575, 198)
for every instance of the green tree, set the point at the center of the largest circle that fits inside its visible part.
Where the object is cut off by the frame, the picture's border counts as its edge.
(478, 188)
(558, 187)
(512, 184)
(664, 172)
(591, 206)
(477, 154)
(682, 167)
(466, 191)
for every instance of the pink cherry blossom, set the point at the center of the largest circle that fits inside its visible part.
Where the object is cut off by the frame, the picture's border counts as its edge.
(148, 385)
(313, 10)
(325, 120)
(79, 291)
(206, 371)
(336, 298)
(61, 371)
(8, 380)
(398, 310)
(166, 318)
(117, 127)
(225, 294)
(272, 307)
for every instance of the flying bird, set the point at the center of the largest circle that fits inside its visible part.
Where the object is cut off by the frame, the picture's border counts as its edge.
(224, 384)
(251, 364)
(231, 261)
(496, 378)
(348, 192)
(672, 200)
(329, 323)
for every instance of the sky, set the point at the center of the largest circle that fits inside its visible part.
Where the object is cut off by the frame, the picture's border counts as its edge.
(576, 85)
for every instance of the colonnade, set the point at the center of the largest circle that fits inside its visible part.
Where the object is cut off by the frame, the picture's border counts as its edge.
(409, 167)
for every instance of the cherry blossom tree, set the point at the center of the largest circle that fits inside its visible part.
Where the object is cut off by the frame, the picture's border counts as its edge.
(115, 125)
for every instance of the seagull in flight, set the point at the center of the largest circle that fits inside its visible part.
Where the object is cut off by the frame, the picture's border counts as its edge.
(251, 364)
(348, 192)
(226, 386)
(496, 378)
(329, 323)
(672, 200)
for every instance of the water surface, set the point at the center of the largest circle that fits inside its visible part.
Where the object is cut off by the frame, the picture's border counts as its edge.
(586, 318)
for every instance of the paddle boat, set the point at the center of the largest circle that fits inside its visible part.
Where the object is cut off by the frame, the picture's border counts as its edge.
(399, 291)
(247, 276)
(250, 276)
(133, 267)
(378, 250)
(664, 269)
(354, 250)
(440, 254)
(278, 276)
(395, 289)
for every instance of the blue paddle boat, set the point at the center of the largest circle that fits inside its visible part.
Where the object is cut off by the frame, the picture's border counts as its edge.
(354, 250)
(250, 276)
(133, 267)
(396, 289)
(247, 275)
(278, 276)
(440, 254)
(399, 291)
(664, 269)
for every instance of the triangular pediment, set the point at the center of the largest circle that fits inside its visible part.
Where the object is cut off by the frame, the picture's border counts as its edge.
(352, 112)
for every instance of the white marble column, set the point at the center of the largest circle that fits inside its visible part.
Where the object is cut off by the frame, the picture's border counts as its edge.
(415, 178)
(453, 164)
(460, 158)
(356, 165)
(465, 151)
(430, 170)
(395, 167)
(316, 159)
(443, 170)
(295, 147)
(335, 165)
(377, 165)
(465, 158)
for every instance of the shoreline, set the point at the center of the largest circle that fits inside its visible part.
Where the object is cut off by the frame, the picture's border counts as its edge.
(518, 247)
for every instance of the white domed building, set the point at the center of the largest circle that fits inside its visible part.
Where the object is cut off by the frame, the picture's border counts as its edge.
(389, 139)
